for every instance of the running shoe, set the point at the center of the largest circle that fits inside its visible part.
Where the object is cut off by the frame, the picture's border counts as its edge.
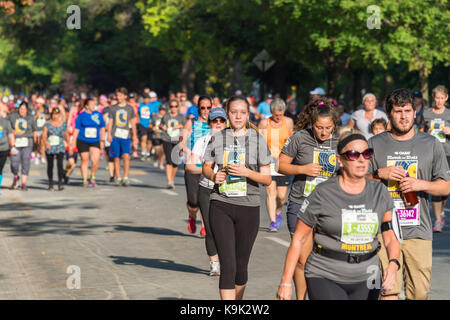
(23, 187)
(143, 159)
(438, 226)
(111, 179)
(161, 166)
(50, 188)
(191, 225)
(66, 179)
(273, 227)
(126, 182)
(203, 232)
(118, 182)
(36, 161)
(155, 164)
(279, 220)
(60, 187)
(43, 160)
(14, 184)
(135, 155)
(92, 183)
(214, 268)
(85, 184)
(171, 185)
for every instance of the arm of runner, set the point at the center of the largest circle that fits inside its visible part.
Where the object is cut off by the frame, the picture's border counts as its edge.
(393, 249)
(301, 234)
(287, 168)
(290, 125)
(74, 140)
(191, 163)
(263, 176)
(350, 124)
(186, 132)
(208, 172)
(435, 188)
(44, 138)
(391, 173)
(102, 139)
(109, 130)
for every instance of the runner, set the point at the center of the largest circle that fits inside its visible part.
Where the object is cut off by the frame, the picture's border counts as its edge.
(121, 123)
(41, 116)
(243, 160)
(409, 161)
(71, 149)
(89, 138)
(312, 149)
(53, 136)
(276, 129)
(24, 128)
(346, 212)
(7, 140)
(217, 120)
(159, 156)
(194, 130)
(437, 123)
(145, 133)
(109, 160)
(378, 126)
(171, 125)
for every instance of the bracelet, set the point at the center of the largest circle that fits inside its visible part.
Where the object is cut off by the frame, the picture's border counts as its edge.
(285, 285)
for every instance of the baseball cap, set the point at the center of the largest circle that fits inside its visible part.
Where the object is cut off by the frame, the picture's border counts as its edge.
(145, 95)
(163, 107)
(269, 96)
(318, 91)
(153, 94)
(417, 93)
(217, 113)
(131, 95)
(5, 99)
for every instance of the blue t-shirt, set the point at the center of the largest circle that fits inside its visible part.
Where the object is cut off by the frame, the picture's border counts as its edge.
(193, 110)
(146, 111)
(264, 108)
(89, 125)
(345, 118)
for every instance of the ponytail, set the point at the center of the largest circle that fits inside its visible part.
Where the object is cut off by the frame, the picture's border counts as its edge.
(319, 107)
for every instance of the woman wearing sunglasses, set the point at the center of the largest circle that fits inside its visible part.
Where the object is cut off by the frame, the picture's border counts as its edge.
(217, 122)
(193, 131)
(346, 212)
(310, 156)
(171, 124)
(243, 160)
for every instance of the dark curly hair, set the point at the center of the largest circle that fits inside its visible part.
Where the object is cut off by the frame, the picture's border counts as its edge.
(320, 107)
(399, 97)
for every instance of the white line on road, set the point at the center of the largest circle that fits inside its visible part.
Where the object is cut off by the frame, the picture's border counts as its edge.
(282, 242)
(136, 181)
(171, 193)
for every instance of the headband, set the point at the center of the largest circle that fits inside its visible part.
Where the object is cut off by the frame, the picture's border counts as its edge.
(347, 140)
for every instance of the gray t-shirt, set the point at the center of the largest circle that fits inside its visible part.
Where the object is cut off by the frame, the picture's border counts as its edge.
(172, 135)
(251, 149)
(346, 223)
(23, 129)
(121, 116)
(305, 149)
(423, 157)
(5, 130)
(434, 124)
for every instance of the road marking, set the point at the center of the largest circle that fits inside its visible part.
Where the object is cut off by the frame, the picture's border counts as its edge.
(171, 193)
(282, 242)
(136, 181)
(138, 172)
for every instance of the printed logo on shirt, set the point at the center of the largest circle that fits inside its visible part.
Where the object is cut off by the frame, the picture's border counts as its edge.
(327, 159)
(21, 126)
(121, 118)
(437, 129)
(95, 118)
(410, 167)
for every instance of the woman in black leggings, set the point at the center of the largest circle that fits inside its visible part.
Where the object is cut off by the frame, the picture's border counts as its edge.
(53, 136)
(243, 160)
(6, 140)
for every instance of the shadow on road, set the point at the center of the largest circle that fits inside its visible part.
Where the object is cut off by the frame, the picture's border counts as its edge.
(158, 264)
(27, 226)
(153, 230)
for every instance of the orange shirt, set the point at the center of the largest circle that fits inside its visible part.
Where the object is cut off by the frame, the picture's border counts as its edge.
(276, 137)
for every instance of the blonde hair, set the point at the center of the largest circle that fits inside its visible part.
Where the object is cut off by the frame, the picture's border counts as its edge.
(442, 89)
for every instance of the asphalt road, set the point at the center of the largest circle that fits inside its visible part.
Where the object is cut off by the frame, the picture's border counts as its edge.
(131, 242)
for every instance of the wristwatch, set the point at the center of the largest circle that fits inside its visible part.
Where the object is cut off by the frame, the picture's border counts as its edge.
(375, 174)
(397, 262)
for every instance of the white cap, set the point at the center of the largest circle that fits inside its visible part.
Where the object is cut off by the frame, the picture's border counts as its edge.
(153, 94)
(5, 99)
(238, 93)
(318, 91)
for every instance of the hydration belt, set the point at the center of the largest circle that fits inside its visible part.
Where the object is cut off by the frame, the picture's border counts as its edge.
(342, 256)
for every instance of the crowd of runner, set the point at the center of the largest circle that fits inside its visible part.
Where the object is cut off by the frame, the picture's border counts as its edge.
(359, 183)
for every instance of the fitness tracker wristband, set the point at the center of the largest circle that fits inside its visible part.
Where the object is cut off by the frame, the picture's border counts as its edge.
(397, 262)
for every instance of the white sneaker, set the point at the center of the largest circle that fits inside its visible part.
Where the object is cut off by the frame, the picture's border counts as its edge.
(214, 268)
(161, 166)
(155, 164)
(36, 161)
(43, 161)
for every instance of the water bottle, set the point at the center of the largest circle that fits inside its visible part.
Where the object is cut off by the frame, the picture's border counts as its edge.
(410, 198)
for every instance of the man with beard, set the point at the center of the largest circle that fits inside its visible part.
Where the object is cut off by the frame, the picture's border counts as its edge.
(409, 161)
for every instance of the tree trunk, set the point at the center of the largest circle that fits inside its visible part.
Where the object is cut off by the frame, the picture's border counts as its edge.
(424, 73)
(357, 86)
(188, 77)
(335, 68)
(280, 78)
(236, 77)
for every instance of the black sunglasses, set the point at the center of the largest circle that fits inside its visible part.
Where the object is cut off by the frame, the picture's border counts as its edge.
(204, 108)
(353, 155)
(218, 120)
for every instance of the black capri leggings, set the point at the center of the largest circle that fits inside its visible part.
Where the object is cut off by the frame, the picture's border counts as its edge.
(203, 201)
(191, 181)
(3, 157)
(324, 289)
(168, 148)
(59, 163)
(234, 229)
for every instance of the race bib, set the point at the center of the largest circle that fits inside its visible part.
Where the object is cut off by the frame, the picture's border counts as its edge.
(121, 133)
(21, 142)
(53, 140)
(312, 183)
(91, 133)
(407, 216)
(359, 227)
(173, 133)
(145, 113)
(40, 122)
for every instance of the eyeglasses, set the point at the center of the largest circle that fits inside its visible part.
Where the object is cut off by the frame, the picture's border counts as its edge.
(353, 155)
(218, 120)
(174, 106)
(204, 108)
